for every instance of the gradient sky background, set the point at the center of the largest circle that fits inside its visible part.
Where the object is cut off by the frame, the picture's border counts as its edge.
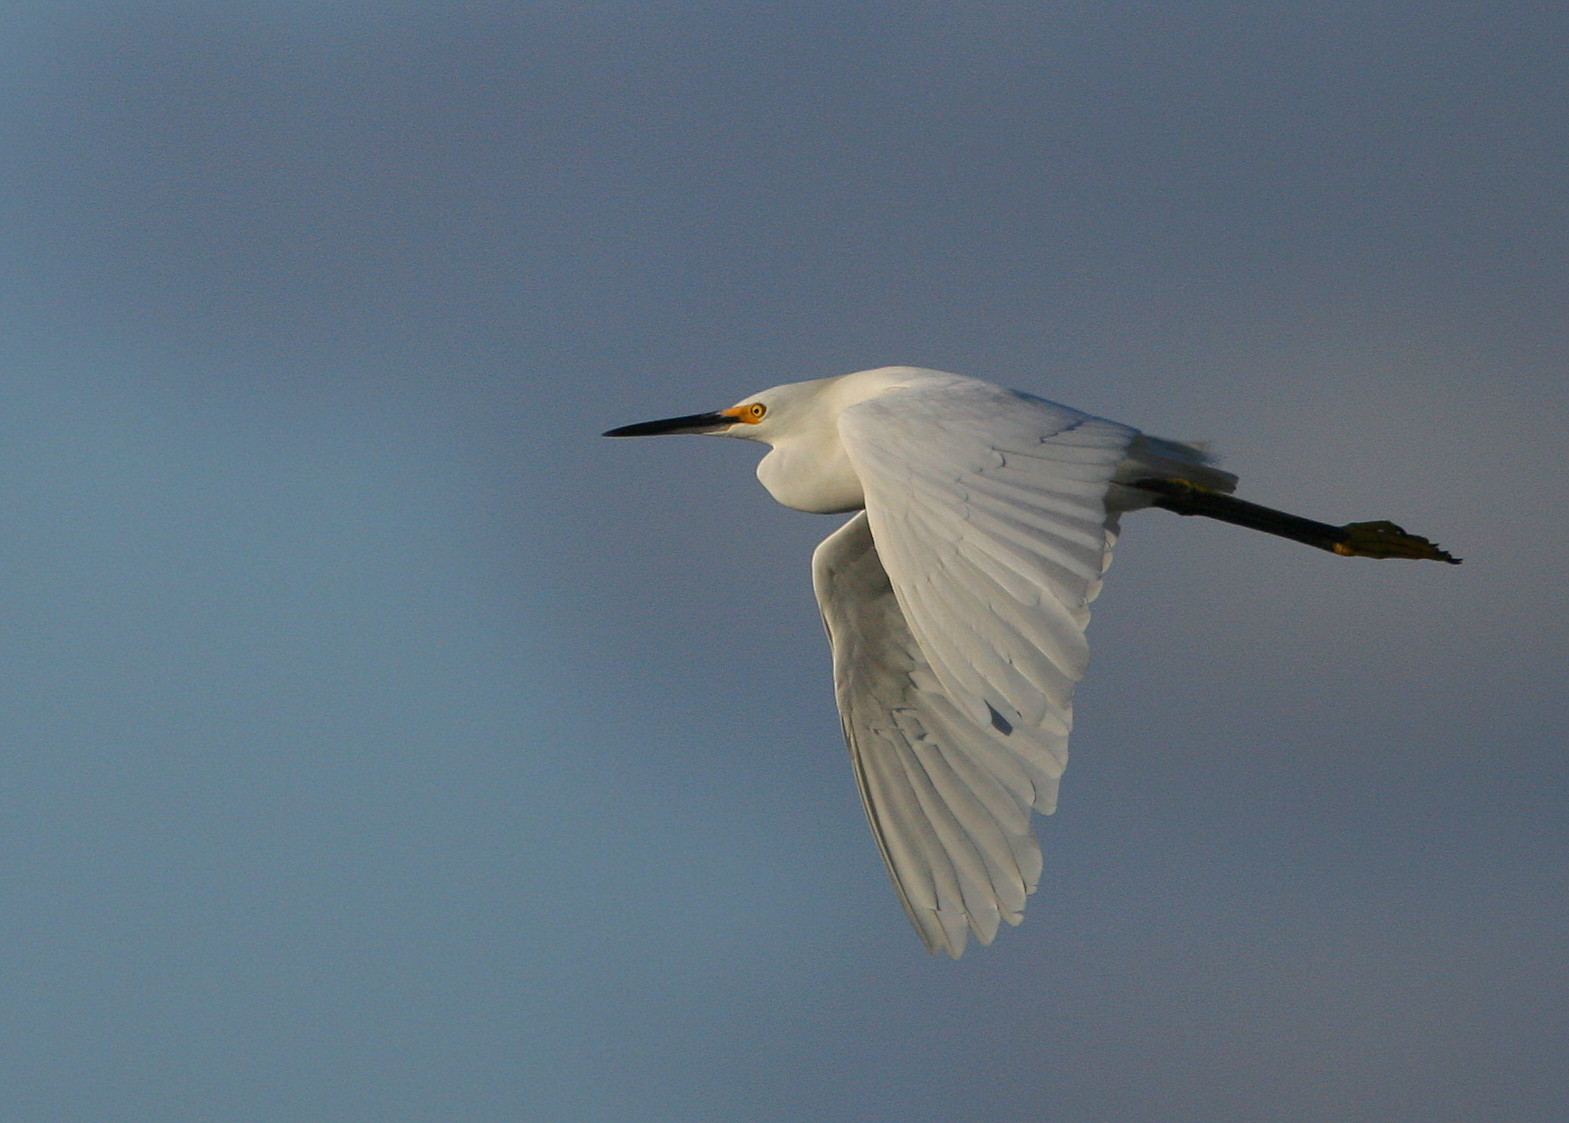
(380, 744)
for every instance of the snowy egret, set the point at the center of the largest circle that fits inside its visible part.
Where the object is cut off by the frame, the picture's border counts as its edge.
(956, 600)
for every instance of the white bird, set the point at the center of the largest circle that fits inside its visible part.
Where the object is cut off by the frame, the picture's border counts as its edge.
(957, 597)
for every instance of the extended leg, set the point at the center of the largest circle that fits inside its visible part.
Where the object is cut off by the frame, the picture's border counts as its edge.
(1362, 540)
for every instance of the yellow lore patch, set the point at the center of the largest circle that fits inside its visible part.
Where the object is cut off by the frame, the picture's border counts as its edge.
(748, 414)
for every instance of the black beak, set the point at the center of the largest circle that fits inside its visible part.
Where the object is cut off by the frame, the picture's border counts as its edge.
(692, 423)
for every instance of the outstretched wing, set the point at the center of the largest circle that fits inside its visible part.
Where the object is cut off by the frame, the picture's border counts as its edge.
(988, 509)
(948, 804)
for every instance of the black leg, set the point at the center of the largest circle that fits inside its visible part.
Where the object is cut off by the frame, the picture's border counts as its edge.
(1362, 540)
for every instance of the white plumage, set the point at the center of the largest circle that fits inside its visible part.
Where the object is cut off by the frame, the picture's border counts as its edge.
(955, 602)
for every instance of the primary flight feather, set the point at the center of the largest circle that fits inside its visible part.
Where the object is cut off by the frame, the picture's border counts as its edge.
(956, 599)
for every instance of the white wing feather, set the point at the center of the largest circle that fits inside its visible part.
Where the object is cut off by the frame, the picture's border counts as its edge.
(989, 513)
(956, 605)
(949, 808)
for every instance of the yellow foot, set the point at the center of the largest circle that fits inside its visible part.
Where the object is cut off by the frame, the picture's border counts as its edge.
(1386, 540)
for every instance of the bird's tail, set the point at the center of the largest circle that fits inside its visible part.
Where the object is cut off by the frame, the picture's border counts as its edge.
(1152, 458)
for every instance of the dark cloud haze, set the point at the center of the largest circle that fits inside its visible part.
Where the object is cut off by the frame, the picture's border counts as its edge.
(378, 743)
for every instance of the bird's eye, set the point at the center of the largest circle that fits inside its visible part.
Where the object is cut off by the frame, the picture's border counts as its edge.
(756, 410)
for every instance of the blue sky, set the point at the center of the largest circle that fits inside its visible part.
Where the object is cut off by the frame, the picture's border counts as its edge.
(381, 744)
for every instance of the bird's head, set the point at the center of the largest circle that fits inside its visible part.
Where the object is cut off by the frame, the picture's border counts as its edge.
(806, 467)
